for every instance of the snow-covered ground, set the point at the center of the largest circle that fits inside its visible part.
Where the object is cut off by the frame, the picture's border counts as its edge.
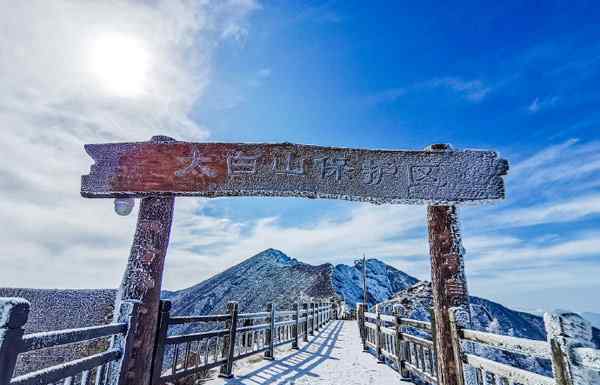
(333, 357)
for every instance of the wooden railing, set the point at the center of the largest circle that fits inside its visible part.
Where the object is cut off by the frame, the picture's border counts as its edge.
(217, 340)
(226, 338)
(408, 345)
(13, 341)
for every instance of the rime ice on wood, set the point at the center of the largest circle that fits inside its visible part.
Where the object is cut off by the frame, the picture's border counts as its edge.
(231, 169)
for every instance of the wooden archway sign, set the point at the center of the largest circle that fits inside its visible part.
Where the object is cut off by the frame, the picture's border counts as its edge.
(161, 169)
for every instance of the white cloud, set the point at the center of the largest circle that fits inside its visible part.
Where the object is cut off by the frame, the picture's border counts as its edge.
(537, 104)
(55, 97)
(472, 90)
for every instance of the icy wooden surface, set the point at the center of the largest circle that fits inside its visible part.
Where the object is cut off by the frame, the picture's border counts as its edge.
(333, 357)
(567, 333)
(234, 169)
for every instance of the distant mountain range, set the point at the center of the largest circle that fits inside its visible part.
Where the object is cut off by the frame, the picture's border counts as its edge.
(272, 276)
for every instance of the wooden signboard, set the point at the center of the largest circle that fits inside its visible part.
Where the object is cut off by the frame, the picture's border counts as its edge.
(232, 169)
(163, 168)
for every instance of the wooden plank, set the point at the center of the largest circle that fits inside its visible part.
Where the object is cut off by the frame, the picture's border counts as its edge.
(413, 323)
(178, 339)
(237, 169)
(514, 374)
(388, 318)
(417, 340)
(68, 369)
(200, 318)
(262, 314)
(449, 287)
(587, 357)
(536, 348)
(43, 340)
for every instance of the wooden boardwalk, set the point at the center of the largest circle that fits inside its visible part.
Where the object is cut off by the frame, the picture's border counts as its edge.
(334, 357)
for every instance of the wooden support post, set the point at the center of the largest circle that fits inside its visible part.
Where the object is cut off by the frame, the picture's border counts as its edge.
(142, 283)
(566, 332)
(13, 316)
(229, 342)
(296, 326)
(270, 333)
(142, 280)
(449, 287)
(305, 310)
(378, 336)
(360, 316)
(159, 344)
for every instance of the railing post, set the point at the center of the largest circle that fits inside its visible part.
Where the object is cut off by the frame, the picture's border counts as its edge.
(312, 319)
(456, 334)
(360, 316)
(316, 316)
(117, 373)
(305, 310)
(401, 356)
(13, 315)
(270, 333)
(296, 327)
(229, 341)
(378, 335)
(159, 344)
(567, 331)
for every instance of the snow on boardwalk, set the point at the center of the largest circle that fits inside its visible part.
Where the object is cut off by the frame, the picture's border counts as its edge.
(333, 356)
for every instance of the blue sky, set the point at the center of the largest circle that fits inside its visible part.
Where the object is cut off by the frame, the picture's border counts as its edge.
(518, 78)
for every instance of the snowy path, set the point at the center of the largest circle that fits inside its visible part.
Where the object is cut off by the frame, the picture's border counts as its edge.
(333, 357)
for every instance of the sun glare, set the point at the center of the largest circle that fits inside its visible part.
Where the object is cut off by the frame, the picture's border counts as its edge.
(120, 63)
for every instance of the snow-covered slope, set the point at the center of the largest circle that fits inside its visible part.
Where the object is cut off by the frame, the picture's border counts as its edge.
(270, 276)
(594, 318)
(383, 281)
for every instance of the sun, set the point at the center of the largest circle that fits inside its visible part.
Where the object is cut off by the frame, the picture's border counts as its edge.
(120, 63)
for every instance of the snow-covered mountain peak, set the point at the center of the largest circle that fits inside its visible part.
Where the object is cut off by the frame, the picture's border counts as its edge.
(274, 256)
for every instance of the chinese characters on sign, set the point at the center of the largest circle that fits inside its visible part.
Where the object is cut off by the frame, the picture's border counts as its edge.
(233, 169)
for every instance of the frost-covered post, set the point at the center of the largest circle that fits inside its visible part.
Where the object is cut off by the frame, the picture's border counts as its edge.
(305, 311)
(574, 359)
(360, 316)
(229, 342)
(270, 333)
(400, 356)
(449, 287)
(312, 319)
(142, 283)
(117, 372)
(296, 326)
(380, 359)
(317, 315)
(161, 335)
(13, 316)
(448, 282)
